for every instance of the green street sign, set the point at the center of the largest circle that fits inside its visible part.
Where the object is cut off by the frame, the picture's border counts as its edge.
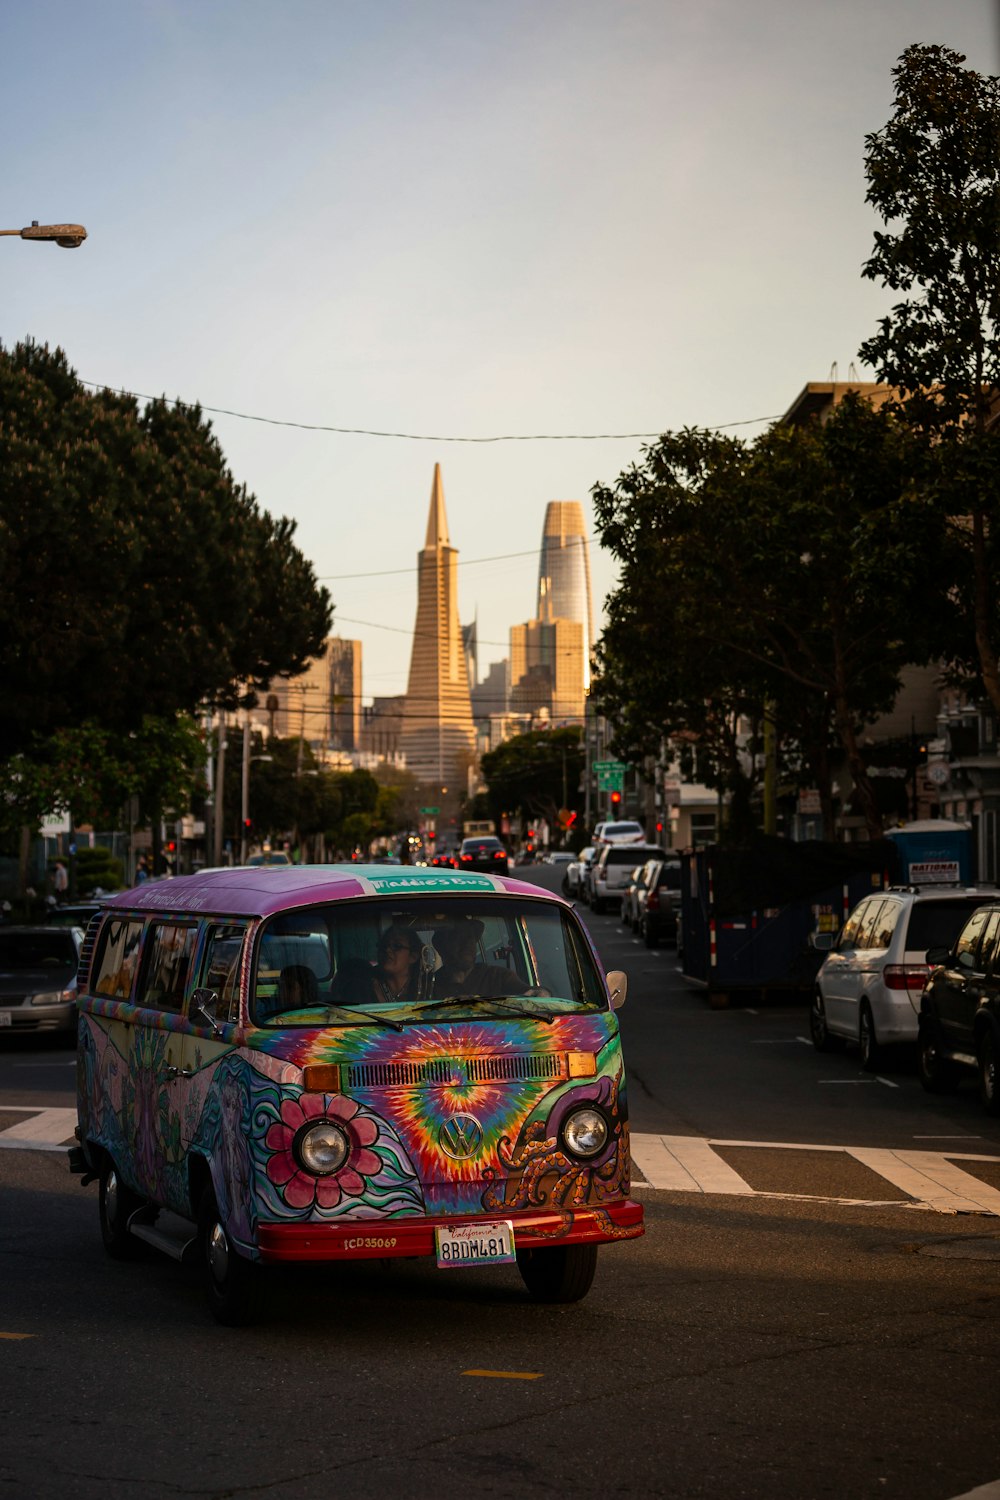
(609, 774)
(430, 812)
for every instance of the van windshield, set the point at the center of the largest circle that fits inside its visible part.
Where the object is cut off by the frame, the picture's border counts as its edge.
(415, 959)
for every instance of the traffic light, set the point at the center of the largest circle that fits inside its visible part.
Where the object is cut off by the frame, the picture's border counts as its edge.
(616, 798)
(247, 825)
(171, 847)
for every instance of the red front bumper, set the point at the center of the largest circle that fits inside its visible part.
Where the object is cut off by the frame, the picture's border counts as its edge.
(377, 1238)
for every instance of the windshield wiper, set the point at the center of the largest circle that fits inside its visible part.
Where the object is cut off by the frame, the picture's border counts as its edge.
(344, 1010)
(352, 1010)
(501, 1000)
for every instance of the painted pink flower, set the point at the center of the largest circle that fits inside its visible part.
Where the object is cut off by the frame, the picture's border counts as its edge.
(301, 1189)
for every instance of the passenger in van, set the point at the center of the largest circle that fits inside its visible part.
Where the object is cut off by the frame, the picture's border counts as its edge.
(297, 989)
(460, 972)
(393, 978)
(398, 967)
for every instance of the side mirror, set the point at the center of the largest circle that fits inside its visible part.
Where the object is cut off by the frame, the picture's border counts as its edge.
(966, 960)
(823, 942)
(618, 985)
(935, 957)
(203, 1005)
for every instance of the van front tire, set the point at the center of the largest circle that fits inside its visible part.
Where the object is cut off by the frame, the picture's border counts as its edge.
(231, 1281)
(558, 1273)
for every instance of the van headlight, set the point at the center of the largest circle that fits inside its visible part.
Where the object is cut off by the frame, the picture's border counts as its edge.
(585, 1131)
(322, 1148)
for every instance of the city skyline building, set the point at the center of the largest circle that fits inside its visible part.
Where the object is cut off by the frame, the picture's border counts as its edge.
(564, 584)
(344, 657)
(438, 738)
(546, 668)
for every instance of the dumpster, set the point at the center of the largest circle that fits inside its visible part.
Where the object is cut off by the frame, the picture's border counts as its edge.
(748, 915)
(934, 851)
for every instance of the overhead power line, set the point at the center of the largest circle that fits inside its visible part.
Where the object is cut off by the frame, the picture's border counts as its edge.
(411, 437)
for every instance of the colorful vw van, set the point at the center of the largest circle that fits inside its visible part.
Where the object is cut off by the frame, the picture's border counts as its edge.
(330, 1063)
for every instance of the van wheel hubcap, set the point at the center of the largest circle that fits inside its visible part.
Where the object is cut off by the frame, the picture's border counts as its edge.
(218, 1253)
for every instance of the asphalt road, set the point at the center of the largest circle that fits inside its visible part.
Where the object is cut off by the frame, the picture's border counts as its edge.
(786, 1339)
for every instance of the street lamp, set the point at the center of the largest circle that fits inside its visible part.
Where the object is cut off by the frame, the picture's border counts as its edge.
(70, 236)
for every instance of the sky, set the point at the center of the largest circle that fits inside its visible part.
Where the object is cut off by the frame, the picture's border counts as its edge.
(452, 219)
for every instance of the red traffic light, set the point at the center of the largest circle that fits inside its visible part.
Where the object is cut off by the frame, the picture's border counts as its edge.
(616, 798)
(248, 824)
(171, 847)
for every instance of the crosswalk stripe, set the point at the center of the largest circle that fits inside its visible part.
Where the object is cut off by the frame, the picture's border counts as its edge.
(44, 1129)
(684, 1164)
(689, 1164)
(931, 1179)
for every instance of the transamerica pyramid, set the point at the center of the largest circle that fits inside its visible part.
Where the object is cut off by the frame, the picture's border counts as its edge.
(438, 736)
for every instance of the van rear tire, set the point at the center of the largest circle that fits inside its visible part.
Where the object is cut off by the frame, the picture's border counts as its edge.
(558, 1273)
(116, 1205)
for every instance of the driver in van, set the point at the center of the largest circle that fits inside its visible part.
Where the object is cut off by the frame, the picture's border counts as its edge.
(461, 973)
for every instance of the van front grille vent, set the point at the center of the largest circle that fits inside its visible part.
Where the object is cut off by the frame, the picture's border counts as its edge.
(501, 1067)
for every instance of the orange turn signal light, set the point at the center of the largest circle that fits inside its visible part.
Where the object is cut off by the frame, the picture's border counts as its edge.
(321, 1078)
(581, 1064)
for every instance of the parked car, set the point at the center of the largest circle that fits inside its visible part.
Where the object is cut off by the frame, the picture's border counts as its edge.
(960, 1010)
(612, 868)
(623, 832)
(73, 914)
(659, 903)
(560, 857)
(869, 985)
(629, 901)
(587, 859)
(483, 854)
(38, 967)
(573, 874)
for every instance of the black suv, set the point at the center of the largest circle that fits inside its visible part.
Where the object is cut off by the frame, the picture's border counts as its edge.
(960, 1010)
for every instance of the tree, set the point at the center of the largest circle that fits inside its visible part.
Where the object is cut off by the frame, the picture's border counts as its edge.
(933, 176)
(136, 577)
(535, 774)
(796, 576)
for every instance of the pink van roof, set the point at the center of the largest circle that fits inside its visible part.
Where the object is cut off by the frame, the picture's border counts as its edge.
(264, 889)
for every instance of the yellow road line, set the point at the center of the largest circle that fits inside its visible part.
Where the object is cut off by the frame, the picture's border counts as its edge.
(17, 1335)
(506, 1374)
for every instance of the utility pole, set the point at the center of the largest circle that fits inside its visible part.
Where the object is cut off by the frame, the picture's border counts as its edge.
(220, 778)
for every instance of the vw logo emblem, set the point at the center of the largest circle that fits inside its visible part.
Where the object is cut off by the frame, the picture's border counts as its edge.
(461, 1137)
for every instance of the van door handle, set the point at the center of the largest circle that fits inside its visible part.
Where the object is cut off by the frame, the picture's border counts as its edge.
(173, 1072)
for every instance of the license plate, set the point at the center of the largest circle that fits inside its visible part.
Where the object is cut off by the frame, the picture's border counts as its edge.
(6, 1019)
(475, 1244)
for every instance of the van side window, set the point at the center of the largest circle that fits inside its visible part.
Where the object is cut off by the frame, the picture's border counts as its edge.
(849, 936)
(886, 925)
(221, 968)
(870, 926)
(117, 957)
(169, 951)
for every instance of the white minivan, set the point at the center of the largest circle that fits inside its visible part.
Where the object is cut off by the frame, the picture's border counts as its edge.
(869, 986)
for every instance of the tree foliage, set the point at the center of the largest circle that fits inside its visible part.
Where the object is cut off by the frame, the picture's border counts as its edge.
(793, 577)
(934, 177)
(136, 576)
(93, 771)
(535, 774)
